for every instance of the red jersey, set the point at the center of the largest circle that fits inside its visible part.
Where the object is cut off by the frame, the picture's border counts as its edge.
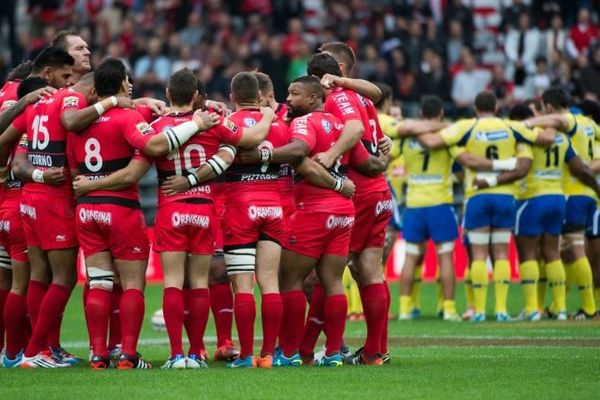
(8, 94)
(319, 130)
(106, 146)
(192, 154)
(12, 188)
(348, 105)
(281, 111)
(47, 137)
(255, 183)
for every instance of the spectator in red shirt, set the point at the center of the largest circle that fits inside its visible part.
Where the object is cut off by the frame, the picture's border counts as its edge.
(581, 35)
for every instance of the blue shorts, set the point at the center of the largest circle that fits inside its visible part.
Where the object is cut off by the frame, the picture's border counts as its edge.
(436, 222)
(490, 210)
(539, 215)
(592, 231)
(579, 213)
(396, 220)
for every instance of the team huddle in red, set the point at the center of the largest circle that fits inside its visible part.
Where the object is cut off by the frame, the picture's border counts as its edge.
(284, 195)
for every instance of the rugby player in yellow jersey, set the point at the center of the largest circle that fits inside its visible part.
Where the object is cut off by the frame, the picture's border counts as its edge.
(489, 207)
(539, 216)
(581, 200)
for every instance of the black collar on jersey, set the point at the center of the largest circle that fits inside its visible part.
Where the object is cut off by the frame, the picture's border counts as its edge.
(180, 114)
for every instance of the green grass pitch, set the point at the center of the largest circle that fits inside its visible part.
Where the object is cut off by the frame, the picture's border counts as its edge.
(430, 359)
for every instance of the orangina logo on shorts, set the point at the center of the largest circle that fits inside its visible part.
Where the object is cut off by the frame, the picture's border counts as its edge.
(102, 217)
(264, 212)
(384, 205)
(178, 220)
(339, 222)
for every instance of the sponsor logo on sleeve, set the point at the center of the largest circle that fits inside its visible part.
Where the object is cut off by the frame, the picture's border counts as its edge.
(70, 101)
(227, 123)
(144, 128)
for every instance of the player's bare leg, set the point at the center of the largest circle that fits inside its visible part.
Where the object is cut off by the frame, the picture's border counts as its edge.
(330, 270)
(100, 272)
(268, 257)
(133, 280)
(197, 304)
(413, 255)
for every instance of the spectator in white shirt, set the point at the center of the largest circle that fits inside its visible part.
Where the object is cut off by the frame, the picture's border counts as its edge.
(468, 82)
(522, 46)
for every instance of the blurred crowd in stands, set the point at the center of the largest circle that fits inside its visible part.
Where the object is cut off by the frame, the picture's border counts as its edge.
(451, 48)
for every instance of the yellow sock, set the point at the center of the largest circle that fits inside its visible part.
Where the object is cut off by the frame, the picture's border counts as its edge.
(357, 307)
(501, 284)
(415, 294)
(469, 288)
(479, 279)
(569, 275)
(347, 284)
(405, 304)
(597, 297)
(449, 307)
(582, 272)
(541, 285)
(556, 280)
(529, 272)
(440, 293)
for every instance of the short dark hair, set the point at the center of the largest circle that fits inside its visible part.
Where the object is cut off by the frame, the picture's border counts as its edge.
(591, 108)
(341, 52)
(20, 72)
(60, 40)
(431, 106)
(29, 85)
(386, 93)
(556, 97)
(265, 84)
(109, 76)
(536, 103)
(54, 57)
(182, 85)
(323, 63)
(313, 83)
(520, 112)
(485, 101)
(244, 88)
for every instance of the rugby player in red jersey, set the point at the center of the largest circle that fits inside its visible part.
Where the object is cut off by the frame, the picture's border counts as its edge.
(107, 145)
(15, 271)
(8, 93)
(373, 206)
(321, 239)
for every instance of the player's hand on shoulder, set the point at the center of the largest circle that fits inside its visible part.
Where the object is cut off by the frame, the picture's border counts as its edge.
(250, 156)
(205, 120)
(54, 176)
(158, 107)
(219, 107)
(39, 94)
(125, 102)
(329, 81)
(348, 188)
(175, 184)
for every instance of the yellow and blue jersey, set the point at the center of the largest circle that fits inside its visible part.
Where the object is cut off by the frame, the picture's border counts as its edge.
(582, 131)
(489, 137)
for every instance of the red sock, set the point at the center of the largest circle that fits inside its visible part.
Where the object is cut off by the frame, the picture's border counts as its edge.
(85, 293)
(245, 314)
(374, 302)
(221, 304)
(314, 321)
(15, 320)
(35, 294)
(173, 312)
(53, 339)
(3, 296)
(292, 323)
(132, 317)
(272, 312)
(383, 345)
(114, 333)
(186, 309)
(336, 308)
(198, 307)
(50, 311)
(97, 313)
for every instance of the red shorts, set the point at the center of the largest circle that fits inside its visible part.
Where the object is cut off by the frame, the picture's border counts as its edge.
(110, 227)
(247, 224)
(12, 235)
(182, 226)
(48, 221)
(318, 233)
(373, 213)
